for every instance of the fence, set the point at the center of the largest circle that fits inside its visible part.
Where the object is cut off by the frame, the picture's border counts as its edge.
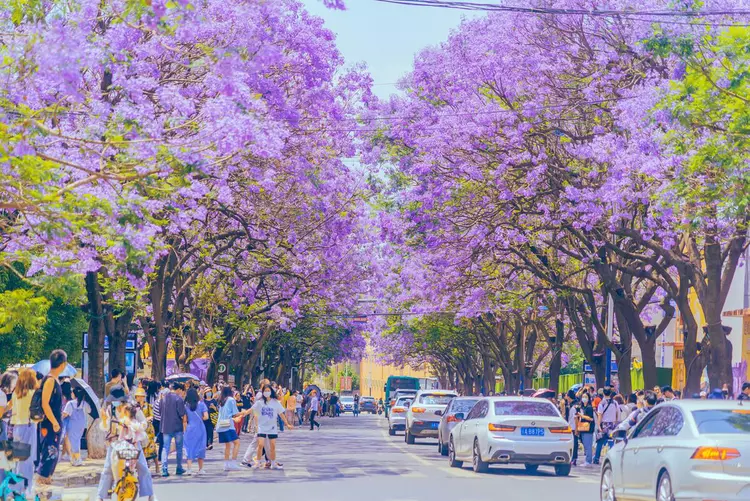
(663, 378)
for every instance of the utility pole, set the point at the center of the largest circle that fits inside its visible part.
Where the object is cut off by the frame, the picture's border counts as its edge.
(610, 330)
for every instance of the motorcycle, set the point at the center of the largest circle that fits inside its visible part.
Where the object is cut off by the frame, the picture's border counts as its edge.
(380, 409)
(124, 468)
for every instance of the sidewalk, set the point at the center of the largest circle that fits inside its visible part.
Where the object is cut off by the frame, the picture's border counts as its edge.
(79, 476)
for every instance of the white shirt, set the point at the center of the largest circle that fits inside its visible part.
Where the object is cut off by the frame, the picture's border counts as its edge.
(299, 399)
(610, 416)
(267, 414)
(314, 402)
(3, 399)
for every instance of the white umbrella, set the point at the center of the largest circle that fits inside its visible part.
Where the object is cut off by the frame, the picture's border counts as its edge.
(91, 397)
(182, 377)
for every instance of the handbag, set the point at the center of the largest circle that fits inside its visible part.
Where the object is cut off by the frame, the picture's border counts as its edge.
(224, 423)
(583, 426)
(16, 450)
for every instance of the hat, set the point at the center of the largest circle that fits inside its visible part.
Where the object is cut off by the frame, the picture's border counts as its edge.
(116, 394)
(140, 392)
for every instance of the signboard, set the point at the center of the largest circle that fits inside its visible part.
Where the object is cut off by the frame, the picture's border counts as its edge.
(131, 356)
(346, 383)
(589, 379)
(587, 366)
(362, 319)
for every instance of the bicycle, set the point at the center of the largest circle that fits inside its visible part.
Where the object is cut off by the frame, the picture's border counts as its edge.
(12, 454)
(127, 455)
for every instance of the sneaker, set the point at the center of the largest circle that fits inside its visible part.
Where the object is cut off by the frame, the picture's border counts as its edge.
(200, 473)
(232, 466)
(267, 465)
(585, 464)
(188, 472)
(277, 466)
(246, 463)
(226, 465)
(210, 447)
(180, 472)
(164, 474)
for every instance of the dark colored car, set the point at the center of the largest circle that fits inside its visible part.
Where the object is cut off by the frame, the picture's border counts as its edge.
(459, 405)
(368, 404)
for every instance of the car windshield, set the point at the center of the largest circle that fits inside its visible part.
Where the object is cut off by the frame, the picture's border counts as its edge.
(524, 409)
(403, 402)
(722, 421)
(347, 399)
(463, 406)
(435, 399)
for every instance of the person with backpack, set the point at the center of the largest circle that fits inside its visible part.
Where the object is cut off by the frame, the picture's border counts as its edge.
(75, 412)
(607, 415)
(50, 427)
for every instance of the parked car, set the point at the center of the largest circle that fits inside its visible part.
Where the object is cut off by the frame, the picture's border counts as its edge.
(368, 404)
(398, 394)
(397, 416)
(686, 450)
(459, 405)
(347, 403)
(423, 416)
(512, 430)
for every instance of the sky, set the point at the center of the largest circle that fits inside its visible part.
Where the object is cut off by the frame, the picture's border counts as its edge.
(386, 36)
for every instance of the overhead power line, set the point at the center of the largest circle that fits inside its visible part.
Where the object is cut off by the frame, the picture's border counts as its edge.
(449, 4)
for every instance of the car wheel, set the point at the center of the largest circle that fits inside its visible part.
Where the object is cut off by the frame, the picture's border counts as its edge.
(562, 470)
(607, 484)
(452, 456)
(477, 464)
(391, 431)
(664, 490)
(532, 468)
(409, 437)
(442, 448)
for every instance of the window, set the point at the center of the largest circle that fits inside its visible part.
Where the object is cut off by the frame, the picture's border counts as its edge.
(476, 412)
(435, 399)
(644, 427)
(461, 406)
(518, 408)
(728, 421)
(669, 422)
(482, 408)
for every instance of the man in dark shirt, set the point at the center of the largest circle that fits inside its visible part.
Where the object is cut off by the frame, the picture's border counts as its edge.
(173, 422)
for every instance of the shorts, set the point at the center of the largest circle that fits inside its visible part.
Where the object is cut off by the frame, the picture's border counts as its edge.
(272, 436)
(229, 436)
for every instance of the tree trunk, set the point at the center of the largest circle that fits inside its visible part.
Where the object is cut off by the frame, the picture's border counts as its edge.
(95, 333)
(648, 352)
(96, 441)
(118, 337)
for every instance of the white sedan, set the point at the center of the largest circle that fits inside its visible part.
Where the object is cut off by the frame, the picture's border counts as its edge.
(685, 450)
(512, 430)
(425, 412)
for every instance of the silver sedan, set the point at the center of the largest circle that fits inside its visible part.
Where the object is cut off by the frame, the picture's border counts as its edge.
(686, 450)
(453, 414)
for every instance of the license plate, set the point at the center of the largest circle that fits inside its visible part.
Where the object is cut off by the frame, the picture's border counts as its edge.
(434, 425)
(532, 432)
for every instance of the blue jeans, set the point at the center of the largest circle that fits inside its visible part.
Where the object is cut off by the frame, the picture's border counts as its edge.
(588, 443)
(107, 481)
(178, 441)
(599, 446)
(301, 415)
(281, 424)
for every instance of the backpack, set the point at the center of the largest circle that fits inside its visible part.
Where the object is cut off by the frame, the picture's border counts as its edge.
(36, 412)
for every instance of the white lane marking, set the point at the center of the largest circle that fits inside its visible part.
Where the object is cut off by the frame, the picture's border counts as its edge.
(353, 471)
(458, 472)
(417, 458)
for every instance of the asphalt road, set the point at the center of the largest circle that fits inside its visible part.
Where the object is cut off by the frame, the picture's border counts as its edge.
(354, 459)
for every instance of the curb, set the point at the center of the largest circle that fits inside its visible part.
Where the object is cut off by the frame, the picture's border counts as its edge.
(82, 480)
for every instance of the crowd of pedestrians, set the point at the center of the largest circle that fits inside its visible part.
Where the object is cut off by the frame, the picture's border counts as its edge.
(595, 415)
(170, 423)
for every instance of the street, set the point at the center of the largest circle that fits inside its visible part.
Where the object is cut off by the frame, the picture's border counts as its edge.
(354, 459)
